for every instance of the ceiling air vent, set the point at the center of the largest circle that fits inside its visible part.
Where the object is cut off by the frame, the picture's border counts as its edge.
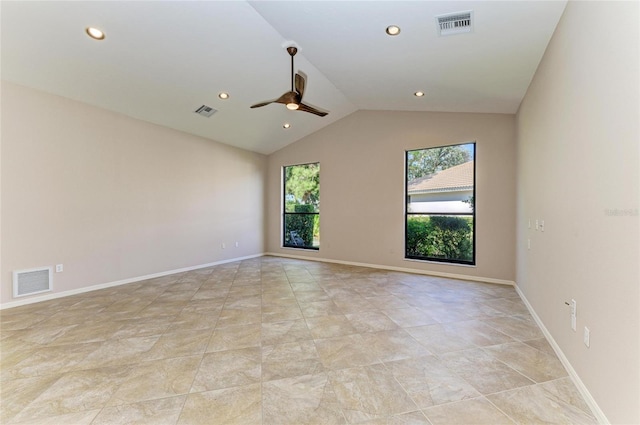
(205, 111)
(455, 23)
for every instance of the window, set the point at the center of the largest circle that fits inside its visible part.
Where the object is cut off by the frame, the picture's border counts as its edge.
(440, 204)
(301, 217)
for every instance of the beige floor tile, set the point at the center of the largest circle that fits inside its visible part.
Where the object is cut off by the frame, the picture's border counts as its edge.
(353, 303)
(235, 317)
(411, 418)
(16, 394)
(541, 344)
(311, 296)
(439, 339)
(154, 326)
(319, 308)
(51, 360)
(17, 321)
(290, 359)
(156, 379)
(76, 392)
(549, 403)
(231, 368)
(522, 328)
(410, 317)
(387, 302)
(534, 364)
(117, 352)
(180, 343)
(190, 320)
(477, 332)
(238, 405)
(264, 335)
(35, 337)
(477, 411)
(484, 372)
(280, 314)
(369, 392)
(371, 321)
(287, 331)
(307, 399)
(159, 309)
(164, 411)
(510, 307)
(234, 337)
(429, 382)
(393, 345)
(330, 326)
(78, 418)
(344, 352)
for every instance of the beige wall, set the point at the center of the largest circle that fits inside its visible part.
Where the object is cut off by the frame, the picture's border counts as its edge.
(578, 157)
(362, 187)
(114, 198)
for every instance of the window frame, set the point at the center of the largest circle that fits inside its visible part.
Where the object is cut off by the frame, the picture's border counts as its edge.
(284, 209)
(473, 214)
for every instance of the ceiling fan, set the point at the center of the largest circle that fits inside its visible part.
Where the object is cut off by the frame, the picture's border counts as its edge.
(293, 99)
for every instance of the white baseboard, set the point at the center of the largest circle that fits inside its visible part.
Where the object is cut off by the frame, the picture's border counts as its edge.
(53, 296)
(398, 269)
(588, 398)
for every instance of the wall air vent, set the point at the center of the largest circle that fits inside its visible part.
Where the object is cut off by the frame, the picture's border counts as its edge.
(205, 111)
(455, 23)
(33, 281)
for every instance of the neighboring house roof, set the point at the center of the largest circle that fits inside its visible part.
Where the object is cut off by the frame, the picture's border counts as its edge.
(459, 177)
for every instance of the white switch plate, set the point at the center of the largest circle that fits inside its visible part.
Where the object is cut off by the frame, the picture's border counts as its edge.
(574, 313)
(59, 268)
(586, 336)
(223, 246)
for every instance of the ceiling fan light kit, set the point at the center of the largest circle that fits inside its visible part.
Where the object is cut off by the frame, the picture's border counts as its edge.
(293, 98)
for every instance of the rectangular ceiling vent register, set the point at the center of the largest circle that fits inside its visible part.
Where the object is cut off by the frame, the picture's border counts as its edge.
(205, 111)
(33, 281)
(455, 23)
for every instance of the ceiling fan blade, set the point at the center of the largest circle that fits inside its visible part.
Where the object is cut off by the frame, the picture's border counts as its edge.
(258, 105)
(300, 83)
(307, 108)
(286, 98)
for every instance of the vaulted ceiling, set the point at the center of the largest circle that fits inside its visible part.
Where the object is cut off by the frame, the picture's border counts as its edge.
(160, 61)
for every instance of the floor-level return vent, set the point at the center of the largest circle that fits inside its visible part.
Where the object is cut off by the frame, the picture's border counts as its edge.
(33, 281)
(455, 23)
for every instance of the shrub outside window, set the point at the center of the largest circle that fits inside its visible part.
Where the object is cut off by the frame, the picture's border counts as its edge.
(440, 204)
(301, 206)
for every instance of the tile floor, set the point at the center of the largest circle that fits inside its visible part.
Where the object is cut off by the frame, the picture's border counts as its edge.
(280, 341)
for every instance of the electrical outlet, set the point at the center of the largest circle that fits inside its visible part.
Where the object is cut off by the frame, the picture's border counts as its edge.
(586, 336)
(59, 268)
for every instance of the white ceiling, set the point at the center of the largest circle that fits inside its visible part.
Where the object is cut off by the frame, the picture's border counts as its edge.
(162, 60)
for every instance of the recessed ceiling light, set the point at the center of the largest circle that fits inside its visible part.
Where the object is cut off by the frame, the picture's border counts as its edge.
(286, 125)
(418, 94)
(223, 95)
(393, 30)
(95, 33)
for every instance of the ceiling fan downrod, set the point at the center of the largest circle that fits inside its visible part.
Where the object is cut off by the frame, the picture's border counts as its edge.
(292, 51)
